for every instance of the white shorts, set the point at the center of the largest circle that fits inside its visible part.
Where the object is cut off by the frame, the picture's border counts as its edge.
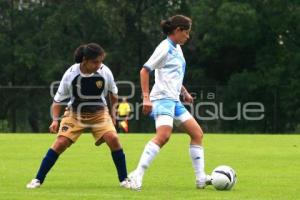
(166, 111)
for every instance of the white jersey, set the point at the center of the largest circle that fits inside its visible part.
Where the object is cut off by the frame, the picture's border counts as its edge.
(80, 88)
(169, 65)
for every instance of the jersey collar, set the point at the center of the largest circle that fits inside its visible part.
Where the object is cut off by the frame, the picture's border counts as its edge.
(171, 42)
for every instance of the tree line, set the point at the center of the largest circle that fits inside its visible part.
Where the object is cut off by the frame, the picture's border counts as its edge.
(246, 50)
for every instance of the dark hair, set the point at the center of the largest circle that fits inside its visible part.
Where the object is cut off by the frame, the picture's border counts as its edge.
(88, 51)
(181, 21)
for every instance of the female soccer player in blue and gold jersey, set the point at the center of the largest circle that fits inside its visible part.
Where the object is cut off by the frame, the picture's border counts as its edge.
(169, 65)
(85, 86)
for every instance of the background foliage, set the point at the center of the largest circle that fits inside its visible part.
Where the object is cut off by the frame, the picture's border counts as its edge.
(246, 50)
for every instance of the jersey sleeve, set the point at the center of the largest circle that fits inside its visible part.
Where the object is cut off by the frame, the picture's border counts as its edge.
(63, 91)
(158, 58)
(111, 84)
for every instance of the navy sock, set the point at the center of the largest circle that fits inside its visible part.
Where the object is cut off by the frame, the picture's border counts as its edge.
(120, 163)
(47, 163)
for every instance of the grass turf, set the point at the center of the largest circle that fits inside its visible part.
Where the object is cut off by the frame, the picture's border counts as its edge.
(267, 167)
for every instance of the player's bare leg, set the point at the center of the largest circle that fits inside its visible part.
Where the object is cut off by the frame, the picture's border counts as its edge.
(163, 134)
(61, 144)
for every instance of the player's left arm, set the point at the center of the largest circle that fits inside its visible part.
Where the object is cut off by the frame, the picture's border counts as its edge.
(113, 99)
(112, 95)
(187, 97)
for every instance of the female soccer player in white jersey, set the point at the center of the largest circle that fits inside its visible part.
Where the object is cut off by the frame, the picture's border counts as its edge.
(85, 86)
(169, 65)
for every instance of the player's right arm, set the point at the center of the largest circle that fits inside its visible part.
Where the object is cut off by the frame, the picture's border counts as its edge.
(62, 94)
(156, 61)
(55, 109)
(144, 76)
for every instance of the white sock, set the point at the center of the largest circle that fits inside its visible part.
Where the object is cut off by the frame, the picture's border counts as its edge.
(197, 156)
(150, 152)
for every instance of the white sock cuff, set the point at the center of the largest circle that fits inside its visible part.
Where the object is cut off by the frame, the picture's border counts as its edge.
(153, 146)
(196, 146)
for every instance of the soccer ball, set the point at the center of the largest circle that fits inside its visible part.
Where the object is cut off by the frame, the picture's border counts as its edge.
(223, 177)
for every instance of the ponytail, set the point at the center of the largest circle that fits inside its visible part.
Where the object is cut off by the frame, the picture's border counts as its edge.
(166, 26)
(79, 54)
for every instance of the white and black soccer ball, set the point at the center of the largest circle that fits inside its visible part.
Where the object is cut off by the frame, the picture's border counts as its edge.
(223, 177)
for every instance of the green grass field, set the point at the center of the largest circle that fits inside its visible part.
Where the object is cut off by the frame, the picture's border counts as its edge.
(267, 166)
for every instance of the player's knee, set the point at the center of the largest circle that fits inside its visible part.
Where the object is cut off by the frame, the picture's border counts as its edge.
(200, 136)
(163, 134)
(197, 137)
(166, 140)
(112, 140)
(61, 144)
(161, 141)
